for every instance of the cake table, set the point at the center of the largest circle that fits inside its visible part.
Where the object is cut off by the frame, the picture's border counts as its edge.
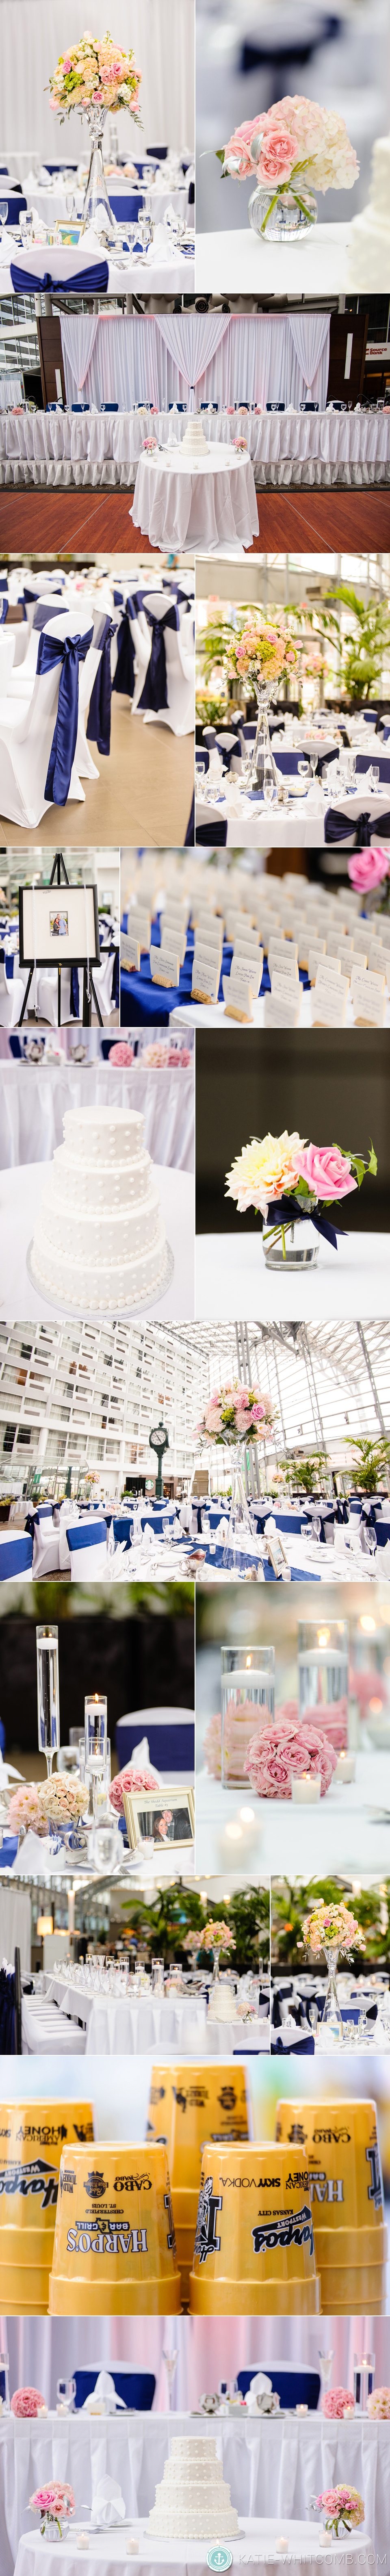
(107, 2553)
(211, 504)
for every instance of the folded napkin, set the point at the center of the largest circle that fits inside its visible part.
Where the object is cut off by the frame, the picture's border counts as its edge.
(108, 2505)
(103, 2400)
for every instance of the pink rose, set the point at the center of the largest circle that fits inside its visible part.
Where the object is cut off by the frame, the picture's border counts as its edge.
(338, 2401)
(367, 869)
(277, 154)
(285, 1746)
(326, 1170)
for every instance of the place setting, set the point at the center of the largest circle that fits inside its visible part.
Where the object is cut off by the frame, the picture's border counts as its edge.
(285, 742)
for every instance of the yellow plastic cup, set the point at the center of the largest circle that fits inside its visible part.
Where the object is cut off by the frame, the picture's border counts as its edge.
(340, 2141)
(254, 2250)
(114, 2247)
(186, 2104)
(32, 2136)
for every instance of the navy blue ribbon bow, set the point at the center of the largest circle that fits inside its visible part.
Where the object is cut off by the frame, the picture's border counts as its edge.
(99, 716)
(70, 650)
(90, 281)
(292, 1211)
(154, 693)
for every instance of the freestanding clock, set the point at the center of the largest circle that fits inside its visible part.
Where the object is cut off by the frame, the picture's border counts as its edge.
(159, 1440)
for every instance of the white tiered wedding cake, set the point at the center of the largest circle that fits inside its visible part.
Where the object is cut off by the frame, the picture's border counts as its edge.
(194, 442)
(99, 1241)
(369, 248)
(193, 2500)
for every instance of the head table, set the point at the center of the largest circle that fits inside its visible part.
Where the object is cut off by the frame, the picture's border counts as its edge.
(174, 2022)
(268, 2463)
(61, 447)
(289, 448)
(210, 504)
(107, 2551)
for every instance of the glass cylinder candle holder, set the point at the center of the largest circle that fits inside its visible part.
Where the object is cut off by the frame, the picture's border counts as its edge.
(4, 2382)
(363, 2378)
(48, 1694)
(95, 1718)
(247, 1701)
(323, 1673)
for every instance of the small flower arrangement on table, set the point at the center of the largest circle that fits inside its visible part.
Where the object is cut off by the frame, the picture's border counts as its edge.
(149, 446)
(131, 1780)
(240, 444)
(56, 2504)
(332, 1924)
(336, 2403)
(295, 1179)
(288, 150)
(287, 1747)
(343, 2508)
(378, 2405)
(28, 2402)
(25, 1810)
(368, 869)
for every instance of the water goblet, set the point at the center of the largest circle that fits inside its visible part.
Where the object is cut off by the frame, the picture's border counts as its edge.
(3, 210)
(171, 2360)
(269, 792)
(375, 776)
(65, 2394)
(313, 764)
(303, 769)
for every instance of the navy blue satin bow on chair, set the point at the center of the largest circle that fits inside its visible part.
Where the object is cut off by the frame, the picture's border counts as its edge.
(70, 650)
(123, 679)
(190, 833)
(115, 987)
(98, 728)
(212, 835)
(341, 827)
(4, 610)
(154, 693)
(342, 1511)
(90, 281)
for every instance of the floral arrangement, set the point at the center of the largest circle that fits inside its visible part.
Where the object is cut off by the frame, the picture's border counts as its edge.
(344, 2509)
(149, 446)
(294, 143)
(25, 1808)
(216, 1936)
(274, 1167)
(288, 1745)
(369, 1689)
(332, 1924)
(53, 2502)
(62, 1799)
(27, 2401)
(378, 2404)
(368, 868)
(260, 654)
(240, 444)
(120, 1052)
(132, 1781)
(235, 1414)
(338, 2402)
(332, 1723)
(94, 73)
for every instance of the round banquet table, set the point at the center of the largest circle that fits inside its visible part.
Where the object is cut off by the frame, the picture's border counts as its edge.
(211, 505)
(177, 2023)
(20, 1192)
(298, 1842)
(353, 1281)
(238, 263)
(266, 2463)
(249, 822)
(107, 2551)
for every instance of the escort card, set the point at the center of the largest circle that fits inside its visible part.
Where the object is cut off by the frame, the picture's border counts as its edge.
(165, 966)
(333, 940)
(130, 954)
(361, 940)
(329, 999)
(253, 965)
(238, 992)
(286, 971)
(286, 950)
(247, 940)
(378, 960)
(139, 926)
(210, 926)
(172, 938)
(346, 953)
(207, 956)
(368, 998)
(316, 950)
(279, 1013)
(236, 920)
(205, 979)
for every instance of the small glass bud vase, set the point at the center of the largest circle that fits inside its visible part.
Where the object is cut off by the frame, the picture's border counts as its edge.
(292, 1246)
(282, 216)
(247, 1701)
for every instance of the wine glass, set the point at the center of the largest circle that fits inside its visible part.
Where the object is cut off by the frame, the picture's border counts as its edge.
(95, 1720)
(171, 2360)
(352, 770)
(375, 776)
(3, 209)
(48, 1694)
(313, 764)
(303, 769)
(325, 2362)
(65, 2394)
(269, 791)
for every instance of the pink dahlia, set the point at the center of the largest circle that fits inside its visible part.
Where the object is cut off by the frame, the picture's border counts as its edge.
(285, 1746)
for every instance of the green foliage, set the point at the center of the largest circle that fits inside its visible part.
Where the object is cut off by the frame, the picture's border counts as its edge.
(161, 1927)
(371, 1459)
(291, 1901)
(309, 1472)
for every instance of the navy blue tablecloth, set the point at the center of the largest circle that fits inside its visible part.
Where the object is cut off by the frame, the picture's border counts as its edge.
(143, 1001)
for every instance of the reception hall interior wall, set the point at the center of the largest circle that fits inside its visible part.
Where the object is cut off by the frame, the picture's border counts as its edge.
(208, 2348)
(32, 35)
(193, 357)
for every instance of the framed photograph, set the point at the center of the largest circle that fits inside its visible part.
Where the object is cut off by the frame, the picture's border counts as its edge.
(167, 1815)
(65, 920)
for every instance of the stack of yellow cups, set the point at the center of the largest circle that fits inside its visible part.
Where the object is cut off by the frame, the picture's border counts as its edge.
(114, 2248)
(186, 2104)
(32, 2137)
(254, 2252)
(340, 2142)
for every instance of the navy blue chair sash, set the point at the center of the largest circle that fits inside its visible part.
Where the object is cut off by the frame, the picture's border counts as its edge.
(123, 679)
(211, 835)
(70, 650)
(99, 716)
(190, 833)
(154, 693)
(90, 281)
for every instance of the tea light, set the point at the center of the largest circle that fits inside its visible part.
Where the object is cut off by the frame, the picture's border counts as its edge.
(82, 2540)
(306, 1791)
(301, 2410)
(132, 2546)
(42, 2410)
(281, 2545)
(345, 1767)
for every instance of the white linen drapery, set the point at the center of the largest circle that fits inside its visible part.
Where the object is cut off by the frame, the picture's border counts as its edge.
(32, 37)
(200, 357)
(40, 2347)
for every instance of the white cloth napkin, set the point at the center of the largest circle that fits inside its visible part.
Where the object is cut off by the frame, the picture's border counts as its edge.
(103, 2400)
(108, 2505)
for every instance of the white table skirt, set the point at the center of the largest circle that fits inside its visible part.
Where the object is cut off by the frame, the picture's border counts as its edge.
(20, 1193)
(353, 1281)
(149, 2024)
(213, 506)
(286, 449)
(238, 263)
(107, 2551)
(33, 1099)
(302, 1842)
(301, 821)
(269, 2464)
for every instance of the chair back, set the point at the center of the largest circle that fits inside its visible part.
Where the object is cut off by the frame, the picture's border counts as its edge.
(127, 209)
(296, 2387)
(137, 2387)
(170, 1734)
(380, 763)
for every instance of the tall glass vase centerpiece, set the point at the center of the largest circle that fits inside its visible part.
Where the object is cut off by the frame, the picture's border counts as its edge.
(296, 1185)
(236, 1417)
(98, 78)
(258, 655)
(335, 1931)
(291, 150)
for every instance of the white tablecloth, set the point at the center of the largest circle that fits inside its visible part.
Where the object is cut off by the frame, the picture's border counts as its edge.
(213, 506)
(33, 1099)
(231, 1273)
(193, 1015)
(50, 203)
(163, 271)
(20, 1193)
(107, 2551)
(269, 2464)
(302, 821)
(290, 448)
(238, 263)
(301, 1842)
(177, 2023)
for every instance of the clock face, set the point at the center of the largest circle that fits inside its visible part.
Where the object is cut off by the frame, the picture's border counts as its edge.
(219, 2558)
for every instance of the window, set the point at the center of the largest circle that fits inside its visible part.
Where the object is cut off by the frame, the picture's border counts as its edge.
(24, 1438)
(9, 1436)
